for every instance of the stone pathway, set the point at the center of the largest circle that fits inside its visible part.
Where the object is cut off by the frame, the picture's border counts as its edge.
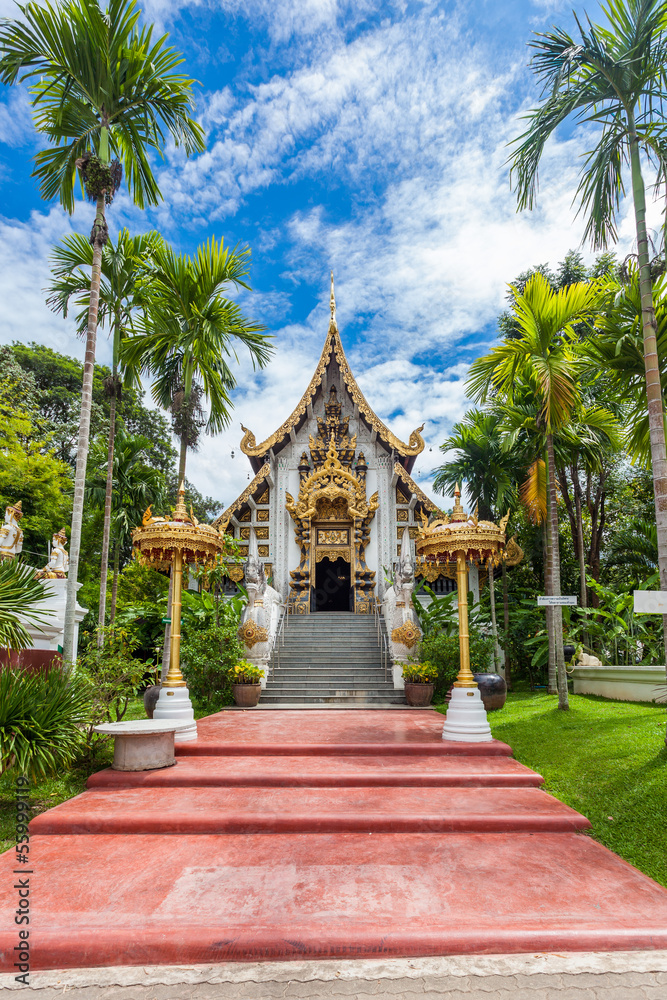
(322, 836)
(628, 976)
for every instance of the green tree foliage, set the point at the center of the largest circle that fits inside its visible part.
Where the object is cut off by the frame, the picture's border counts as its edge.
(29, 469)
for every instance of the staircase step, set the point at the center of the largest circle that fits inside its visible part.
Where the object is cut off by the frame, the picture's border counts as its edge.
(332, 771)
(310, 810)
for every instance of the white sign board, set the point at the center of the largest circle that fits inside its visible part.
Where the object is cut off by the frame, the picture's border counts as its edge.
(556, 601)
(651, 602)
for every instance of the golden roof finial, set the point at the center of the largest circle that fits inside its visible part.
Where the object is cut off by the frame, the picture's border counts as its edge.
(180, 510)
(332, 300)
(458, 513)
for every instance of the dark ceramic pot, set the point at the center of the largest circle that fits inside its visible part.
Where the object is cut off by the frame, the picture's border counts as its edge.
(151, 695)
(246, 695)
(568, 652)
(418, 695)
(493, 690)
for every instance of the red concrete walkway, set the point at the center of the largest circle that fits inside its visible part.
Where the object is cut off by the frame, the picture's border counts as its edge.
(323, 834)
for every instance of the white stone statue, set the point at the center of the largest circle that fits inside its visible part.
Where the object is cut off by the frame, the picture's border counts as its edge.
(262, 613)
(58, 565)
(11, 536)
(400, 618)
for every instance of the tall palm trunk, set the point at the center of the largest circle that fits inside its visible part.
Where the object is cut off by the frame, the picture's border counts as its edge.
(181, 461)
(114, 585)
(651, 365)
(576, 488)
(106, 531)
(552, 686)
(98, 238)
(555, 576)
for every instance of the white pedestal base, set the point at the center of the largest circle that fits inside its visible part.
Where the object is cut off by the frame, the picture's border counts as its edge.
(174, 705)
(466, 720)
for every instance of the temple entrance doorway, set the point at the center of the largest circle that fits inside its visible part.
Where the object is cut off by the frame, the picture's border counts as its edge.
(332, 590)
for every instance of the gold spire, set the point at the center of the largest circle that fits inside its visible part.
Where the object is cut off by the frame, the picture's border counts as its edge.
(458, 513)
(332, 302)
(180, 510)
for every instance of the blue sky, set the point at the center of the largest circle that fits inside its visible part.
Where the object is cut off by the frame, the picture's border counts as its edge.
(364, 136)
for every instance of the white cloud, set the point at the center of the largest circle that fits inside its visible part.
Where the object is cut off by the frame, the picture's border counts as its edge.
(24, 273)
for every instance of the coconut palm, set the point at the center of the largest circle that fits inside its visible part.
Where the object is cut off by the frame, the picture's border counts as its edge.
(105, 95)
(489, 474)
(70, 262)
(545, 358)
(189, 334)
(135, 485)
(618, 347)
(612, 79)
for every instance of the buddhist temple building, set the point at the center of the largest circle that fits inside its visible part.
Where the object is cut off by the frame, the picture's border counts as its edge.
(331, 495)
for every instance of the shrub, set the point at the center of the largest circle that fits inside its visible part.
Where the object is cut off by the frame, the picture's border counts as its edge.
(42, 716)
(208, 656)
(442, 651)
(112, 673)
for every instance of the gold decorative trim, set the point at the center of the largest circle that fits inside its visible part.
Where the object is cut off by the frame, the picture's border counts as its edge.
(332, 344)
(262, 515)
(263, 550)
(246, 515)
(251, 633)
(412, 528)
(264, 498)
(406, 634)
(401, 515)
(412, 486)
(332, 554)
(262, 533)
(245, 496)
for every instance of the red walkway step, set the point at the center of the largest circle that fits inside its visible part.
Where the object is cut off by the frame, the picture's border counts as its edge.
(416, 771)
(309, 810)
(322, 834)
(110, 900)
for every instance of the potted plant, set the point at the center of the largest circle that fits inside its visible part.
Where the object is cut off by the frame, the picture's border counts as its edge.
(420, 681)
(246, 686)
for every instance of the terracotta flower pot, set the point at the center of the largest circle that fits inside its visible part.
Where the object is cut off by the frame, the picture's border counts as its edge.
(246, 695)
(418, 695)
(493, 689)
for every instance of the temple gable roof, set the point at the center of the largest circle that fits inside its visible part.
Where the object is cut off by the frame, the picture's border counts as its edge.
(333, 348)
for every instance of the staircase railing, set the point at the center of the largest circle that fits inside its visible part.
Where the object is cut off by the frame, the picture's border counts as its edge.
(381, 636)
(279, 639)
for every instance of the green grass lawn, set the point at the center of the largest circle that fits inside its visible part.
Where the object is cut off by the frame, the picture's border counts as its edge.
(606, 759)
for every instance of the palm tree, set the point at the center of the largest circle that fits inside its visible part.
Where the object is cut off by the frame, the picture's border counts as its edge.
(489, 473)
(613, 79)
(117, 300)
(544, 358)
(100, 88)
(135, 485)
(618, 348)
(188, 334)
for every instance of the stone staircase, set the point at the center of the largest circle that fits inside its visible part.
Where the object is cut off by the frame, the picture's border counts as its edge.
(331, 658)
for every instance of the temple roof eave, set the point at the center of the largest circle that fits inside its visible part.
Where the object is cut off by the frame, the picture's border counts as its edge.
(224, 518)
(257, 452)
